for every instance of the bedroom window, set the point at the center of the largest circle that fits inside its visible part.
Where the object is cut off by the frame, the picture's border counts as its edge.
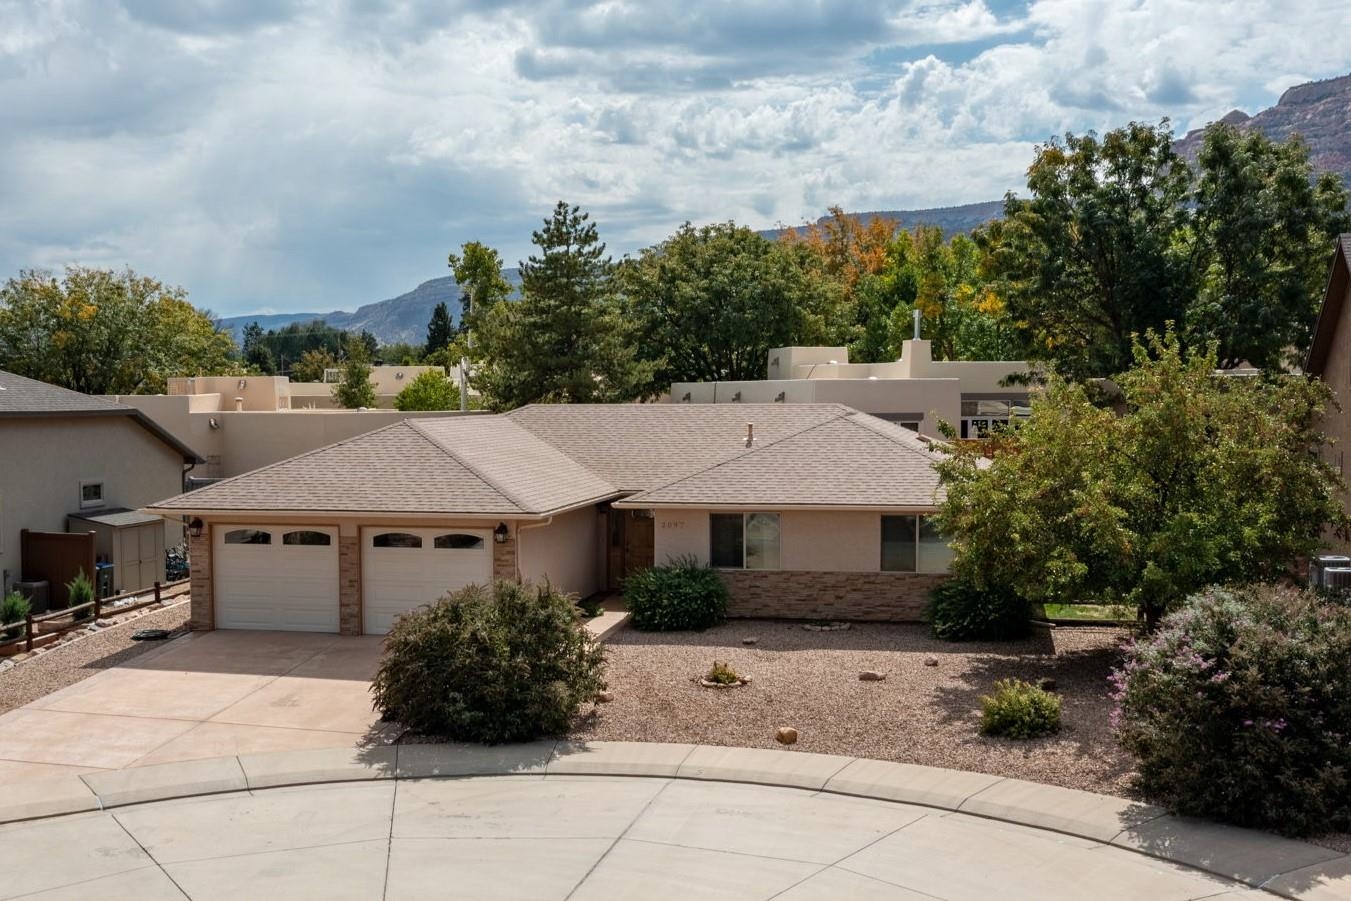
(912, 544)
(91, 494)
(744, 540)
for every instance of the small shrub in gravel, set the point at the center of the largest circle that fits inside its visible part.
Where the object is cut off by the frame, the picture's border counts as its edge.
(1018, 709)
(960, 611)
(681, 595)
(506, 663)
(1239, 709)
(13, 609)
(81, 592)
(722, 674)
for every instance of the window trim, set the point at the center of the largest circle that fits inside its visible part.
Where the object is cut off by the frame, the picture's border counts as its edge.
(102, 499)
(745, 517)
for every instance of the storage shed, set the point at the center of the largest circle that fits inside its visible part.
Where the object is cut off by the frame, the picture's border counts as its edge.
(128, 548)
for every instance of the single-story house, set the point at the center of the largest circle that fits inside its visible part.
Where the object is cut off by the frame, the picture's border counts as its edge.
(808, 510)
(74, 463)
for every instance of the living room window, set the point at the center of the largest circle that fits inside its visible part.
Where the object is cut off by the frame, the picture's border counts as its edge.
(744, 540)
(91, 494)
(912, 544)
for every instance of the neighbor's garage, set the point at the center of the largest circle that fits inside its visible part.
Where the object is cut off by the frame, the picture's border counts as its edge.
(276, 577)
(404, 568)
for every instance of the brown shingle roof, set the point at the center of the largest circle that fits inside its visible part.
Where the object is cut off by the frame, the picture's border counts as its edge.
(639, 446)
(850, 460)
(544, 459)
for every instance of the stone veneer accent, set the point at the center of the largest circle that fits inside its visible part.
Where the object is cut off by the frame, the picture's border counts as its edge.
(504, 558)
(202, 612)
(794, 594)
(349, 585)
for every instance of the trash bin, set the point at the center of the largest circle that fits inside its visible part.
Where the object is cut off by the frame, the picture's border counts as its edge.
(39, 594)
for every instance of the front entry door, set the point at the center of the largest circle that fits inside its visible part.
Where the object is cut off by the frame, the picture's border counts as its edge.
(630, 545)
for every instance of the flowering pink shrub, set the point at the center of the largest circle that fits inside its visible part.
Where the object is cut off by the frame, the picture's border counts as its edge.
(1239, 709)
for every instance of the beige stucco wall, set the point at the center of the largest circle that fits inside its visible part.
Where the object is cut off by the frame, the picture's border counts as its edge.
(563, 552)
(809, 540)
(42, 462)
(1337, 423)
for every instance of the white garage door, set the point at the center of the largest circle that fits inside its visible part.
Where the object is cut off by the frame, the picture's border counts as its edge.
(276, 577)
(402, 569)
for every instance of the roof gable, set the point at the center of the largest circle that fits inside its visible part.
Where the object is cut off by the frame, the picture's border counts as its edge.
(852, 460)
(1330, 314)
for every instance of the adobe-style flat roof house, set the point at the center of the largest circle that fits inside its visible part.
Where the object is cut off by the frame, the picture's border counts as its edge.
(808, 510)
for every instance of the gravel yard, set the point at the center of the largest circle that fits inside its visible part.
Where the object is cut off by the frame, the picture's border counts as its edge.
(68, 663)
(920, 714)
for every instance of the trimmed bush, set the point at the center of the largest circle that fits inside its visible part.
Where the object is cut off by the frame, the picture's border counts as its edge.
(1239, 709)
(506, 663)
(681, 595)
(1019, 709)
(722, 674)
(81, 592)
(13, 609)
(960, 611)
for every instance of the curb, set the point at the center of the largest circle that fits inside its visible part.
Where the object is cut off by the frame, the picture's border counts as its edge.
(1280, 866)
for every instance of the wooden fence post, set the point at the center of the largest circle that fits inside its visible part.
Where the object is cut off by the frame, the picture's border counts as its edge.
(157, 597)
(98, 607)
(28, 630)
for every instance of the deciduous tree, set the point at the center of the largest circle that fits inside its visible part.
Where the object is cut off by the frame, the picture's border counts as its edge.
(429, 391)
(355, 389)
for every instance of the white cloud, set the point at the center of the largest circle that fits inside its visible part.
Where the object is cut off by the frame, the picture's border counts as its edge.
(323, 155)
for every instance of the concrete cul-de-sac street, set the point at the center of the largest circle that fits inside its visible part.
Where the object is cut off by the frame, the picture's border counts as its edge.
(251, 765)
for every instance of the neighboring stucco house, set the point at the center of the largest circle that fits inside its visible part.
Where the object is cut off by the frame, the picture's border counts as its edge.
(917, 391)
(808, 510)
(63, 453)
(1330, 359)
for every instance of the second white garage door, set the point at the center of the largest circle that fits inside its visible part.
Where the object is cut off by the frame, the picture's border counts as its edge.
(276, 577)
(402, 569)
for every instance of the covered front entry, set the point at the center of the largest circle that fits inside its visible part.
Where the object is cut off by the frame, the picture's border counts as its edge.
(276, 577)
(630, 545)
(405, 568)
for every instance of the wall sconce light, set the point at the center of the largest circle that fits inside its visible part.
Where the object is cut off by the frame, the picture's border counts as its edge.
(780, 397)
(398, 376)
(685, 398)
(242, 383)
(195, 526)
(736, 398)
(213, 422)
(500, 533)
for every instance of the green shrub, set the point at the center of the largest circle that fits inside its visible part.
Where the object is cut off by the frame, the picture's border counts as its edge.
(1018, 709)
(13, 609)
(681, 595)
(1239, 709)
(81, 592)
(591, 607)
(506, 663)
(722, 674)
(959, 611)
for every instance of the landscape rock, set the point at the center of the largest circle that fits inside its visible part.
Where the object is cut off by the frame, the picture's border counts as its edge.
(604, 697)
(828, 627)
(103, 623)
(870, 676)
(749, 641)
(931, 661)
(786, 735)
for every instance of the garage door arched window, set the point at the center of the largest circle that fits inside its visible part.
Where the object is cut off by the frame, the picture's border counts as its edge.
(396, 540)
(458, 541)
(248, 536)
(307, 538)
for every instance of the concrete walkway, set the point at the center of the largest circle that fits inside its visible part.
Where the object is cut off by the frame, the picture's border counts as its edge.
(619, 820)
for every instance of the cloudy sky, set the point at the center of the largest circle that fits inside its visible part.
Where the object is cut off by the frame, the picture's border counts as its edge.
(293, 155)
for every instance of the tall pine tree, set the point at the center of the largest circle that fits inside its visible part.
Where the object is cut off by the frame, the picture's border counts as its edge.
(564, 341)
(439, 331)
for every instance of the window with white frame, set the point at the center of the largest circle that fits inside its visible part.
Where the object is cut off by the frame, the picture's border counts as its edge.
(91, 493)
(911, 544)
(744, 540)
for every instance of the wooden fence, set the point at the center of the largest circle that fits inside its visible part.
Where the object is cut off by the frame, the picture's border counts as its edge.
(95, 607)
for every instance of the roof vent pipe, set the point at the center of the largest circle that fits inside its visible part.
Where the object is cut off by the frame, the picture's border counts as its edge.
(917, 318)
(750, 434)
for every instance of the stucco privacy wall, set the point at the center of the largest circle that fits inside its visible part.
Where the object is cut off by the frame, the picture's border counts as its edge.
(829, 559)
(562, 552)
(136, 468)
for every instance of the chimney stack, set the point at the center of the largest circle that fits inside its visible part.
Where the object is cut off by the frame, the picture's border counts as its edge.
(750, 434)
(918, 314)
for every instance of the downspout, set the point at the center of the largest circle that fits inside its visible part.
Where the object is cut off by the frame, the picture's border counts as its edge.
(519, 530)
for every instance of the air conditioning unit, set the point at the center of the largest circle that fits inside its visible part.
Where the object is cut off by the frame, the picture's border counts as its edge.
(1321, 564)
(1337, 578)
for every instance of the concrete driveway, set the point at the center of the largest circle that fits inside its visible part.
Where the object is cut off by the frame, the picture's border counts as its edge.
(201, 695)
